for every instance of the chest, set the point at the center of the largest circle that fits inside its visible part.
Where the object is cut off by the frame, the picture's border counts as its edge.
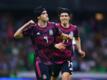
(44, 37)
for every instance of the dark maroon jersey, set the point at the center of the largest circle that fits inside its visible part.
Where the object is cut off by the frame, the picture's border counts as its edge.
(59, 56)
(43, 40)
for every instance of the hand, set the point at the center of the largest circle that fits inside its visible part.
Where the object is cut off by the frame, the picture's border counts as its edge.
(31, 22)
(82, 53)
(60, 46)
(66, 36)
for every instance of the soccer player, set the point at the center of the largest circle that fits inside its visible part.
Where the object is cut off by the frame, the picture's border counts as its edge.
(42, 34)
(62, 58)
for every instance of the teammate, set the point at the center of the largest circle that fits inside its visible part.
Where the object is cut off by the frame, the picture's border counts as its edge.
(42, 34)
(62, 59)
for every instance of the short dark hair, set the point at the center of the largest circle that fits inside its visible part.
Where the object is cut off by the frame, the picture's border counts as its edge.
(39, 10)
(63, 10)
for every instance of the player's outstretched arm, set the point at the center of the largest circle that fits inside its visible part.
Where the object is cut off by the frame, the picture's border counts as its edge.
(18, 33)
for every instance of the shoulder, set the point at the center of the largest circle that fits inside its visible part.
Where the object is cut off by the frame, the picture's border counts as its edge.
(53, 24)
(73, 25)
(57, 24)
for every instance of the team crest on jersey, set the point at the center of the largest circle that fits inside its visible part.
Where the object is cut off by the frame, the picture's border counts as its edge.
(50, 32)
(71, 34)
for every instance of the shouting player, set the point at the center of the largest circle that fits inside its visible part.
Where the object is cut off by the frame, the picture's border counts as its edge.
(42, 34)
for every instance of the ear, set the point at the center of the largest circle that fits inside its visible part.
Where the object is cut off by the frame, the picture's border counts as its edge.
(38, 17)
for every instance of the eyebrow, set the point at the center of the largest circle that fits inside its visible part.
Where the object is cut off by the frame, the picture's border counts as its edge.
(64, 15)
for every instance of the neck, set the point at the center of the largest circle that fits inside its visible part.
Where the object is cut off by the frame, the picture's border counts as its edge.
(65, 25)
(42, 23)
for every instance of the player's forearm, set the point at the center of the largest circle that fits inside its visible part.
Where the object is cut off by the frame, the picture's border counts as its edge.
(81, 52)
(78, 43)
(65, 36)
(18, 33)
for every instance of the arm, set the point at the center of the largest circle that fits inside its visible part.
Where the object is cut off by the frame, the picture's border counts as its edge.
(60, 33)
(78, 44)
(65, 36)
(61, 45)
(18, 33)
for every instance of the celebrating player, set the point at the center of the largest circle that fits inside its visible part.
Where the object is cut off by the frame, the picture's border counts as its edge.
(42, 34)
(63, 58)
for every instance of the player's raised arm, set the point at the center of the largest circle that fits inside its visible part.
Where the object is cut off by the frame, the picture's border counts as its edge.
(18, 33)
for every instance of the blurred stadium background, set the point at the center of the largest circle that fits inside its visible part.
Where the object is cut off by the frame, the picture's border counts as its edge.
(16, 56)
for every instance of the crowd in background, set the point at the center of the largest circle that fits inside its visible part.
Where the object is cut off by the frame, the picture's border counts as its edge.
(17, 54)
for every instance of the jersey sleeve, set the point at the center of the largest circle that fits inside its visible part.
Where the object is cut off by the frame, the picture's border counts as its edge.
(28, 32)
(58, 32)
(76, 32)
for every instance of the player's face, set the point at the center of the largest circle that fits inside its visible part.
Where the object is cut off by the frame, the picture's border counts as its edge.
(44, 16)
(64, 17)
